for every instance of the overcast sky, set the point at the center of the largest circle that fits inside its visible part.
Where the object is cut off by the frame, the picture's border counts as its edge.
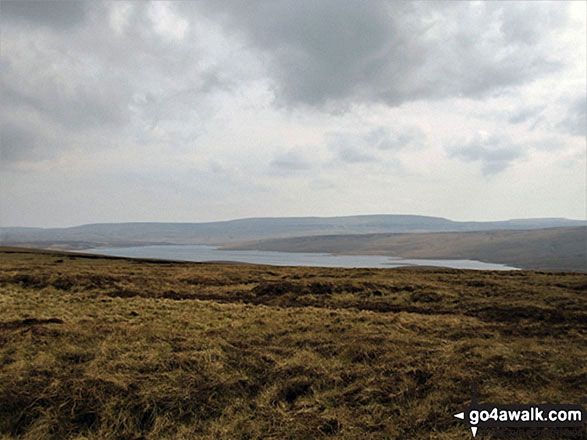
(213, 110)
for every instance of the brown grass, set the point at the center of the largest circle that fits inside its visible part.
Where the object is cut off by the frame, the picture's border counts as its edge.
(105, 348)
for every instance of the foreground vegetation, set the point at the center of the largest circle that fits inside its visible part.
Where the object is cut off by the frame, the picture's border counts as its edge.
(112, 348)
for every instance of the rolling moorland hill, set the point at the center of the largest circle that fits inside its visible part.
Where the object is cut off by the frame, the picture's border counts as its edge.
(218, 233)
(542, 249)
(113, 348)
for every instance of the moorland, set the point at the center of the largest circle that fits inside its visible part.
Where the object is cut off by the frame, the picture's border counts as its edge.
(542, 244)
(558, 249)
(226, 232)
(113, 348)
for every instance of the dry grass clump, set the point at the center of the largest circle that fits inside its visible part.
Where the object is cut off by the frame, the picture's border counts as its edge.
(97, 348)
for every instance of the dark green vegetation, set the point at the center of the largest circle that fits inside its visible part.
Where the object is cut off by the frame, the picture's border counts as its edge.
(131, 234)
(543, 249)
(111, 348)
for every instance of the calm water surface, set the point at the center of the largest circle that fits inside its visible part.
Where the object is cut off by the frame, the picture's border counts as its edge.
(202, 253)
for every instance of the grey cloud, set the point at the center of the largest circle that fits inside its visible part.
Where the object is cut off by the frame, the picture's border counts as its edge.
(384, 138)
(318, 51)
(98, 85)
(16, 142)
(330, 53)
(494, 153)
(575, 122)
(351, 154)
(352, 147)
(549, 143)
(86, 104)
(537, 20)
(54, 14)
(53, 121)
(56, 77)
(322, 184)
(290, 161)
(24, 137)
(368, 145)
(525, 114)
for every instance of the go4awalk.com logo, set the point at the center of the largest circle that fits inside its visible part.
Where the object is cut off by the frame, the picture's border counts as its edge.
(525, 418)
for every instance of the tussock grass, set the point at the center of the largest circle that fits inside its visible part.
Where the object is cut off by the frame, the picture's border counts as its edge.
(102, 348)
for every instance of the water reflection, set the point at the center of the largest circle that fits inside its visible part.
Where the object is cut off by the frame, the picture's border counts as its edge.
(203, 253)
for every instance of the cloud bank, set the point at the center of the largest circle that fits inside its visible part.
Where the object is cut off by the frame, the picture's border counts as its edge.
(196, 111)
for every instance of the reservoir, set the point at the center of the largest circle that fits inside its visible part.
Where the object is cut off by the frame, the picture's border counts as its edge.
(201, 253)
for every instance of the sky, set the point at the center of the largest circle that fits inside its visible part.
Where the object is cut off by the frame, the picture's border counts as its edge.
(213, 110)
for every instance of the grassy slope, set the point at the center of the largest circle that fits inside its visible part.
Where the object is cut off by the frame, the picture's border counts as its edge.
(543, 249)
(100, 348)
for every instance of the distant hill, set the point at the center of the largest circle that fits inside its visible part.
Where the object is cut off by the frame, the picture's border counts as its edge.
(563, 249)
(220, 233)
